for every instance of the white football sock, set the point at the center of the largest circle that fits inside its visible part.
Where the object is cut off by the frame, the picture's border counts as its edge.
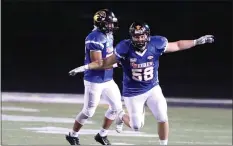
(163, 142)
(74, 134)
(103, 132)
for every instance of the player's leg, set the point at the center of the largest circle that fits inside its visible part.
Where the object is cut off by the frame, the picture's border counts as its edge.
(135, 107)
(126, 119)
(158, 106)
(112, 94)
(113, 97)
(91, 100)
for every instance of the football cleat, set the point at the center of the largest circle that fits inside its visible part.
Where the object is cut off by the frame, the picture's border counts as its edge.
(102, 140)
(72, 140)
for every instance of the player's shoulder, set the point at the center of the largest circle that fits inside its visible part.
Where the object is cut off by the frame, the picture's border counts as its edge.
(159, 41)
(96, 36)
(124, 43)
(122, 47)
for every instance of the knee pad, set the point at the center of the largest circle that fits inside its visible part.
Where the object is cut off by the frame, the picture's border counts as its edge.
(81, 118)
(111, 114)
(89, 112)
(136, 122)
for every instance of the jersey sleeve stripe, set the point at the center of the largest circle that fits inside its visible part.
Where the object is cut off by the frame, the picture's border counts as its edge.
(98, 43)
(166, 45)
(95, 50)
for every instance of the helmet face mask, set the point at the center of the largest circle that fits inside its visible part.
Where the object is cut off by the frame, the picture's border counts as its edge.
(140, 35)
(106, 21)
(140, 41)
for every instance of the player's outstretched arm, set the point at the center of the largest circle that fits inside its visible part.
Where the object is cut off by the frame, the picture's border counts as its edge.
(186, 44)
(98, 64)
(104, 63)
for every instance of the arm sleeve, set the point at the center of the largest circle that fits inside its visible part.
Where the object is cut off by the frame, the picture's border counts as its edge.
(94, 46)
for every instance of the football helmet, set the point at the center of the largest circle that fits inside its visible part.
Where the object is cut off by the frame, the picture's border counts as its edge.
(139, 35)
(105, 21)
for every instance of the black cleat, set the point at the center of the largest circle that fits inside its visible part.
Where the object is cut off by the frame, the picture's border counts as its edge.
(102, 140)
(72, 140)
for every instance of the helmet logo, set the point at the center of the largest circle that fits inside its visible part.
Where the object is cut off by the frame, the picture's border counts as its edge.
(98, 15)
(138, 27)
(102, 13)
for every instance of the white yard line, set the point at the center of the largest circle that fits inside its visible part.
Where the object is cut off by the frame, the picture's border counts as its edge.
(39, 119)
(204, 135)
(77, 98)
(19, 109)
(203, 130)
(61, 130)
(122, 144)
(200, 143)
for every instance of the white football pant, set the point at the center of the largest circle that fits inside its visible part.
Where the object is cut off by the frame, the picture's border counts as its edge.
(136, 107)
(93, 93)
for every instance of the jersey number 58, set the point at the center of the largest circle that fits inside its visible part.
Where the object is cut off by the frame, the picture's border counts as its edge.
(143, 74)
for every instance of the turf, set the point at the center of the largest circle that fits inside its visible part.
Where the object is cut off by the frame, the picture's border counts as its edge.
(188, 126)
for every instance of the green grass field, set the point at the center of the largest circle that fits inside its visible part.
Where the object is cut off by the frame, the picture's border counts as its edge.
(47, 123)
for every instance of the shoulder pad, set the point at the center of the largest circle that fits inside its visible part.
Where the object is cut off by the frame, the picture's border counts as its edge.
(96, 36)
(159, 42)
(124, 44)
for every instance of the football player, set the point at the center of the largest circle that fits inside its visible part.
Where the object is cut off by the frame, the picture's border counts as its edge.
(139, 57)
(98, 45)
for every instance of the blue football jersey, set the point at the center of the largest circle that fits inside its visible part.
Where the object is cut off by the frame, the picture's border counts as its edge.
(140, 69)
(98, 41)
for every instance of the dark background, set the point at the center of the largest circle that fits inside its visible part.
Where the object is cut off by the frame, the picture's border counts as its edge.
(42, 41)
